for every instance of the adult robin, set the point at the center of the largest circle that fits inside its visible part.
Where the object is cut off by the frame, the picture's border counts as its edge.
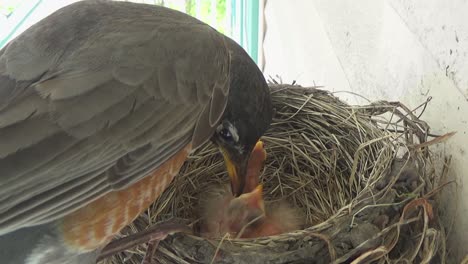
(100, 104)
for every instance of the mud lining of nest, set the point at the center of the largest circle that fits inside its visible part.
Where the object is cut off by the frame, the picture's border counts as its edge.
(363, 176)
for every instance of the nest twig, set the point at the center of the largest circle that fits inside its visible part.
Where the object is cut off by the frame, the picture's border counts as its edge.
(362, 175)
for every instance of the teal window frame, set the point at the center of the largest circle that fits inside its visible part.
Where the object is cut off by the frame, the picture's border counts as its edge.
(32, 7)
(244, 24)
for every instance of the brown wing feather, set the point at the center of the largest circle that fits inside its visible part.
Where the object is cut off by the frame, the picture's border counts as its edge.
(114, 90)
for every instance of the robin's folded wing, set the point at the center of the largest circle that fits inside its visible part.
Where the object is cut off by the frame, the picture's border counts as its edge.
(97, 96)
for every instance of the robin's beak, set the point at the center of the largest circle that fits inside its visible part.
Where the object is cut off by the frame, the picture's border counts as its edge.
(244, 171)
(237, 170)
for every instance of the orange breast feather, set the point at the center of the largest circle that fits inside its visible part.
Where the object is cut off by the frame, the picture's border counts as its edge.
(95, 224)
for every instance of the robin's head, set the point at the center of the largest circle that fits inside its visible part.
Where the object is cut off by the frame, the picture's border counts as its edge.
(247, 116)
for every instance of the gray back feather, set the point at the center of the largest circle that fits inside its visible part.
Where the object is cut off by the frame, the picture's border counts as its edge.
(95, 97)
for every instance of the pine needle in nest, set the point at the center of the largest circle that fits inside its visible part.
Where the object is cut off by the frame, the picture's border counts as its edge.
(363, 177)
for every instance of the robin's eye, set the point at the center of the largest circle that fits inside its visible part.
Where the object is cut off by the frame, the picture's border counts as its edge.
(226, 134)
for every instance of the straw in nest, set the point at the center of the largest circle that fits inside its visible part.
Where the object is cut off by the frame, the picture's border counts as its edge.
(363, 176)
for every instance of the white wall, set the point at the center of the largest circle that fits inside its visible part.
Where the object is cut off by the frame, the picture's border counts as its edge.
(44, 9)
(395, 50)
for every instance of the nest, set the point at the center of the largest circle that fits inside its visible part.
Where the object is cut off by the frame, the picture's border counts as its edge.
(363, 176)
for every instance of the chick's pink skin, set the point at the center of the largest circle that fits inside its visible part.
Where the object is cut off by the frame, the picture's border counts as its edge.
(245, 216)
(254, 167)
(278, 220)
(226, 214)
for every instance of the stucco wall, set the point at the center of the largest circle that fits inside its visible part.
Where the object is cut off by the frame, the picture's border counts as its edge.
(396, 50)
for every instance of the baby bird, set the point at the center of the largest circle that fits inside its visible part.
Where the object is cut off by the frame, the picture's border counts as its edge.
(246, 216)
